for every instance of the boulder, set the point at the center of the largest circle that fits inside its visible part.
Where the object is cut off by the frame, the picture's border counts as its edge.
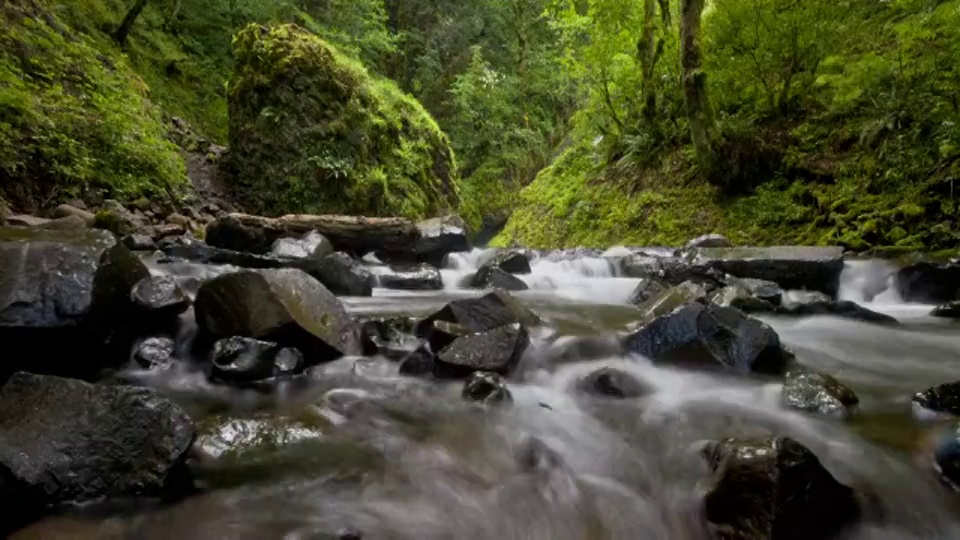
(818, 393)
(312, 244)
(418, 363)
(949, 310)
(62, 292)
(737, 296)
(929, 283)
(513, 261)
(709, 241)
(700, 334)
(836, 308)
(196, 251)
(340, 273)
(944, 398)
(671, 299)
(242, 359)
(768, 291)
(486, 388)
(495, 309)
(647, 289)
(792, 267)
(776, 489)
(438, 238)
(492, 277)
(114, 217)
(421, 277)
(67, 223)
(285, 306)
(155, 353)
(496, 350)
(139, 242)
(64, 441)
(672, 270)
(160, 298)
(66, 210)
(612, 383)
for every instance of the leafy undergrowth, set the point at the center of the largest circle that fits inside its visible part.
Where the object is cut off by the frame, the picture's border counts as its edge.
(73, 119)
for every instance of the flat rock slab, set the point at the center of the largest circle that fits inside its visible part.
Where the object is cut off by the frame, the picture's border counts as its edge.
(791, 267)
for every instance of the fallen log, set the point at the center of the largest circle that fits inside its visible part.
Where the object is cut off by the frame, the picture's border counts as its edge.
(354, 234)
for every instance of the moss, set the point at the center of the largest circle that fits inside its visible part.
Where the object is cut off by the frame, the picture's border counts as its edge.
(312, 131)
(74, 119)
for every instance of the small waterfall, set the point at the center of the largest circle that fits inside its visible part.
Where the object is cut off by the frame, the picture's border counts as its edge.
(869, 281)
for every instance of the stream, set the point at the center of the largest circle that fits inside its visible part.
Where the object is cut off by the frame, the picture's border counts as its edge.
(354, 446)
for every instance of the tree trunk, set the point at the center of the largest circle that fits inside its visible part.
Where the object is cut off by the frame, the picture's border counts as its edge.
(699, 114)
(648, 59)
(123, 31)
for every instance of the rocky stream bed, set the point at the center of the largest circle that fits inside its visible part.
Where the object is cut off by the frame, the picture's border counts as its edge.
(330, 377)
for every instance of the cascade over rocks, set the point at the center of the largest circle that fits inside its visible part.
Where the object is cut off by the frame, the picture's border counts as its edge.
(792, 267)
(944, 398)
(285, 306)
(513, 261)
(63, 292)
(65, 441)
(497, 350)
(418, 363)
(774, 489)
(818, 393)
(949, 310)
(493, 277)
(928, 282)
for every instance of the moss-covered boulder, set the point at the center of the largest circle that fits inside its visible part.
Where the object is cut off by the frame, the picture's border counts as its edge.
(312, 131)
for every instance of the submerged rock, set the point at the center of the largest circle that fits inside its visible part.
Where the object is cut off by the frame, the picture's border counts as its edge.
(64, 441)
(950, 310)
(487, 388)
(818, 393)
(497, 350)
(928, 282)
(242, 359)
(611, 382)
(412, 278)
(791, 267)
(944, 398)
(286, 306)
(62, 292)
(775, 489)
(154, 353)
(492, 277)
(417, 363)
(706, 335)
(340, 273)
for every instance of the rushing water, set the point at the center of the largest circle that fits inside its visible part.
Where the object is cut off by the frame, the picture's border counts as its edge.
(356, 446)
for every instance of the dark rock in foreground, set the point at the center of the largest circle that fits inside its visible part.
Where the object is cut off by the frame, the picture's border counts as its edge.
(944, 398)
(614, 383)
(241, 359)
(64, 441)
(340, 273)
(284, 306)
(818, 393)
(791, 267)
(928, 283)
(486, 388)
(411, 278)
(497, 350)
(160, 298)
(774, 489)
(492, 277)
(949, 310)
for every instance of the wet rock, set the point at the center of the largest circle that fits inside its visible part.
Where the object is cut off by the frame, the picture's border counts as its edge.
(706, 335)
(944, 398)
(114, 217)
(495, 309)
(196, 251)
(63, 292)
(341, 274)
(139, 242)
(63, 441)
(534, 455)
(496, 350)
(709, 241)
(492, 277)
(818, 393)
(792, 267)
(950, 310)
(486, 388)
(838, 308)
(285, 306)
(611, 382)
(224, 437)
(671, 299)
(929, 283)
(412, 278)
(160, 298)
(776, 489)
(767, 291)
(511, 261)
(312, 244)
(154, 353)
(737, 296)
(647, 289)
(438, 238)
(417, 363)
(672, 270)
(946, 455)
(66, 210)
(240, 359)
(392, 336)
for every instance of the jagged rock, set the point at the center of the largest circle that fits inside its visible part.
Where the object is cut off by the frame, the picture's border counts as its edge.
(139, 242)
(160, 298)
(497, 350)
(792, 267)
(417, 363)
(114, 217)
(63, 441)
(512, 261)
(950, 310)
(837, 308)
(312, 244)
(340, 273)
(611, 382)
(707, 335)
(944, 398)
(66, 210)
(154, 353)
(648, 288)
(774, 489)
(286, 306)
(709, 241)
(63, 292)
(241, 359)
(495, 309)
(819, 393)
(486, 388)
(929, 283)
(492, 277)
(411, 278)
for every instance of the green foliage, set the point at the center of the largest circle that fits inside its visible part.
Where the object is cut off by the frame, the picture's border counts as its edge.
(311, 130)
(72, 120)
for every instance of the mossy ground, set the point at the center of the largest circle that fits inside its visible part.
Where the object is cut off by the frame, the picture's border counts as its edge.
(312, 131)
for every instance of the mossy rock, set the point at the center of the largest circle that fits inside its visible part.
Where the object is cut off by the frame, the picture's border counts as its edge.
(312, 131)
